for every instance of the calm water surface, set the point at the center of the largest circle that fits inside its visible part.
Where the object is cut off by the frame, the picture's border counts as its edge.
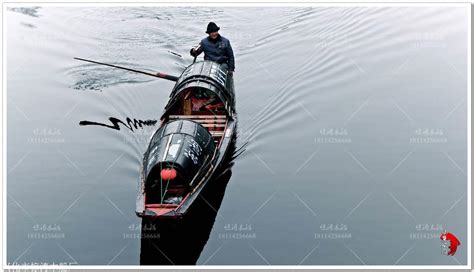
(354, 119)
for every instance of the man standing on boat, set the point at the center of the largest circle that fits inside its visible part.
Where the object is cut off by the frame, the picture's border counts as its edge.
(216, 48)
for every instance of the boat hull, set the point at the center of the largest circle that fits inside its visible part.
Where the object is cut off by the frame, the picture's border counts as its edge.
(200, 81)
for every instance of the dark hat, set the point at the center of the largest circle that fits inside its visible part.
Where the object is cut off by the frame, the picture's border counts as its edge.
(212, 27)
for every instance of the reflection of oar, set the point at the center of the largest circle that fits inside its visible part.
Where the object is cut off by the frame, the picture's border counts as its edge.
(160, 75)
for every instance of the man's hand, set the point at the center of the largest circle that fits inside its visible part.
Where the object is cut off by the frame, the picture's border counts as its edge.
(195, 51)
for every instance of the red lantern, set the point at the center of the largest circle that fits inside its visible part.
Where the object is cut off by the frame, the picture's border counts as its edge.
(168, 174)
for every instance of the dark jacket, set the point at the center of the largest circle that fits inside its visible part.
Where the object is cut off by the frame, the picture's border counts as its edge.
(219, 50)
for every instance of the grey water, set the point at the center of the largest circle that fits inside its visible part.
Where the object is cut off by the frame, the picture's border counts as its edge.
(354, 121)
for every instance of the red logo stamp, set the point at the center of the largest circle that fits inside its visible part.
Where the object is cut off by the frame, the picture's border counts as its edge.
(450, 243)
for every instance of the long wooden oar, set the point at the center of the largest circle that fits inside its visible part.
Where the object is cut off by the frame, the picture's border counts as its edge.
(160, 75)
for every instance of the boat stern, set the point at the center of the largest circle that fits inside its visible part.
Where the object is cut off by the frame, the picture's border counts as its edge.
(161, 211)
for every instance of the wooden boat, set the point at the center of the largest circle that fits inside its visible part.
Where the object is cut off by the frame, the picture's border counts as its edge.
(197, 128)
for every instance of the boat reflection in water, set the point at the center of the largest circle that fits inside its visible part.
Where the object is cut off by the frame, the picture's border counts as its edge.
(180, 242)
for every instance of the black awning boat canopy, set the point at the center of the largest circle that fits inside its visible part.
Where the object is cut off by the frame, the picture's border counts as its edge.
(206, 75)
(183, 145)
